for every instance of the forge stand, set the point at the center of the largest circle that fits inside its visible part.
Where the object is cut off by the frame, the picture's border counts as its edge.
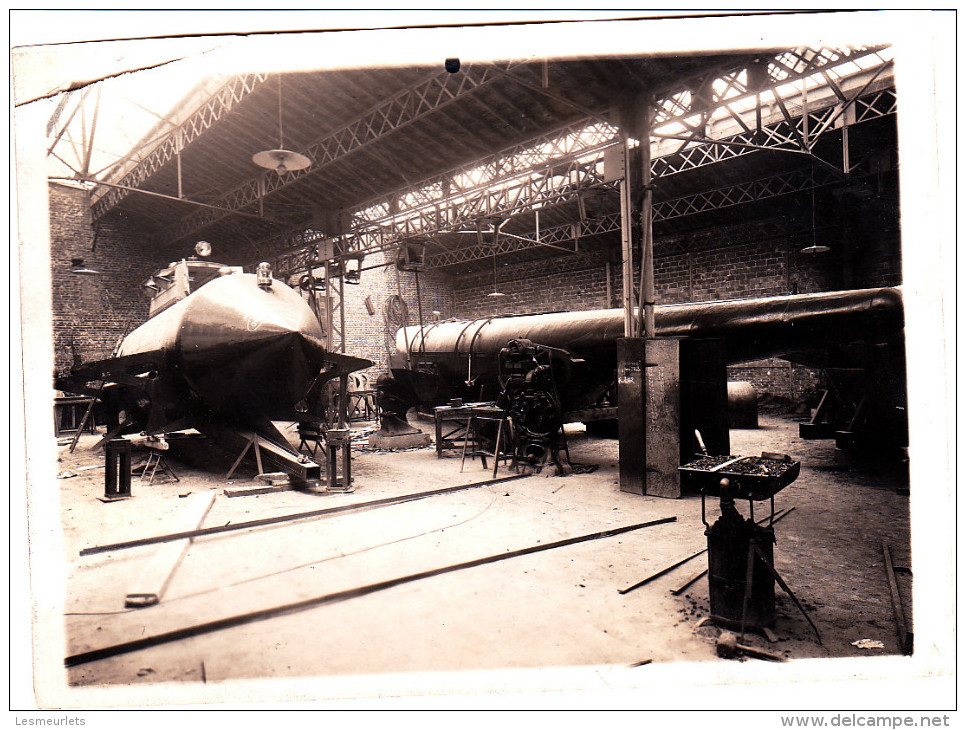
(741, 565)
(741, 568)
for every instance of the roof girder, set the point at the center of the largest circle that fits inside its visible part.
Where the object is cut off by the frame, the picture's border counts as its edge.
(400, 110)
(219, 104)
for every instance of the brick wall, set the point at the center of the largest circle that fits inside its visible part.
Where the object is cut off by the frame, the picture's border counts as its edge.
(748, 259)
(577, 282)
(91, 313)
(777, 378)
(754, 258)
(368, 335)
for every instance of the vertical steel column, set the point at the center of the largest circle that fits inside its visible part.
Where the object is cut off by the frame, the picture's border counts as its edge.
(847, 119)
(610, 293)
(627, 250)
(179, 146)
(341, 305)
(117, 470)
(647, 231)
(89, 142)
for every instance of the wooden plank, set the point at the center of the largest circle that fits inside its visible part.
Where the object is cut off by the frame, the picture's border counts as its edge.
(902, 628)
(149, 586)
(252, 491)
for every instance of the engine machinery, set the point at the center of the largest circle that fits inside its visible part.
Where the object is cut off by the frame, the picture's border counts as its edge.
(529, 395)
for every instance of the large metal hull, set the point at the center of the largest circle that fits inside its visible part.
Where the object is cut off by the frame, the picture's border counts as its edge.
(459, 358)
(232, 355)
(753, 328)
(239, 350)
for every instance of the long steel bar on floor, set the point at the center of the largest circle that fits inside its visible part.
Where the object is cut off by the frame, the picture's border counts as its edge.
(290, 608)
(288, 518)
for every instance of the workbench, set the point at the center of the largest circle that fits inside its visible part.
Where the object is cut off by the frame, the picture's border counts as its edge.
(456, 419)
(69, 412)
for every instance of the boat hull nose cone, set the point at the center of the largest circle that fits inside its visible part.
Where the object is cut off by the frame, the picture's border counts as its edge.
(246, 351)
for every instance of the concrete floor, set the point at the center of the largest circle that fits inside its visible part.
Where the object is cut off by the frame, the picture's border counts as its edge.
(559, 608)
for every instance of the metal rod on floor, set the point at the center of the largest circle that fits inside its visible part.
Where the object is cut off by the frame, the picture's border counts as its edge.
(784, 586)
(902, 628)
(286, 518)
(659, 573)
(290, 608)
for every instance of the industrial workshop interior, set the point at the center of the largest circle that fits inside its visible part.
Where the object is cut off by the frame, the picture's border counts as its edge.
(469, 366)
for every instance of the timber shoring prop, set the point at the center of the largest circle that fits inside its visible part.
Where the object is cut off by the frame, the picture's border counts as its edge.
(287, 518)
(290, 608)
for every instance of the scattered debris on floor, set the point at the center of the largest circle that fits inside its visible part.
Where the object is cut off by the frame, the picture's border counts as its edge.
(868, 644)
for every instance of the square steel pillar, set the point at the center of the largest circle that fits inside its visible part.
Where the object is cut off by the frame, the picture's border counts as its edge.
(648, 396)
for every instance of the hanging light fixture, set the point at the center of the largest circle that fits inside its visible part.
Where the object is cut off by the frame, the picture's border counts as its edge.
(815, 248)
(77, 267)
(495, 292)
(281, 160)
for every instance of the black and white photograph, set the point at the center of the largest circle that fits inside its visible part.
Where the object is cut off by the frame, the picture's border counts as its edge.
(484, 360)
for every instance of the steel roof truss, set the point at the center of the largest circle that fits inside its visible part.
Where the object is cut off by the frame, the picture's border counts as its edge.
(211, 111)
(398, 111)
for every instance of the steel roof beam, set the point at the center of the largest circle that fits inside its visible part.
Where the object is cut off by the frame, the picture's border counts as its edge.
(431, 216)
(540, 193)
(705, 201)
(400, 110)
(746, 192)
(776, 136)
(219, 104)
(442, 210)
(549, 237)
(761, 189)
(672, 108)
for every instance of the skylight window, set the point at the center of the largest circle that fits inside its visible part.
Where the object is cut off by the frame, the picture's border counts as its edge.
(673, 117)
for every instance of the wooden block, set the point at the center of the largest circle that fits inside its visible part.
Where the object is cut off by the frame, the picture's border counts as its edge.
(252, 491)
(149, 586)
(275, 478)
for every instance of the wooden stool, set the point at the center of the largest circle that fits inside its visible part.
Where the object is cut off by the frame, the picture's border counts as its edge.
(311, 436)
(155, 463)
